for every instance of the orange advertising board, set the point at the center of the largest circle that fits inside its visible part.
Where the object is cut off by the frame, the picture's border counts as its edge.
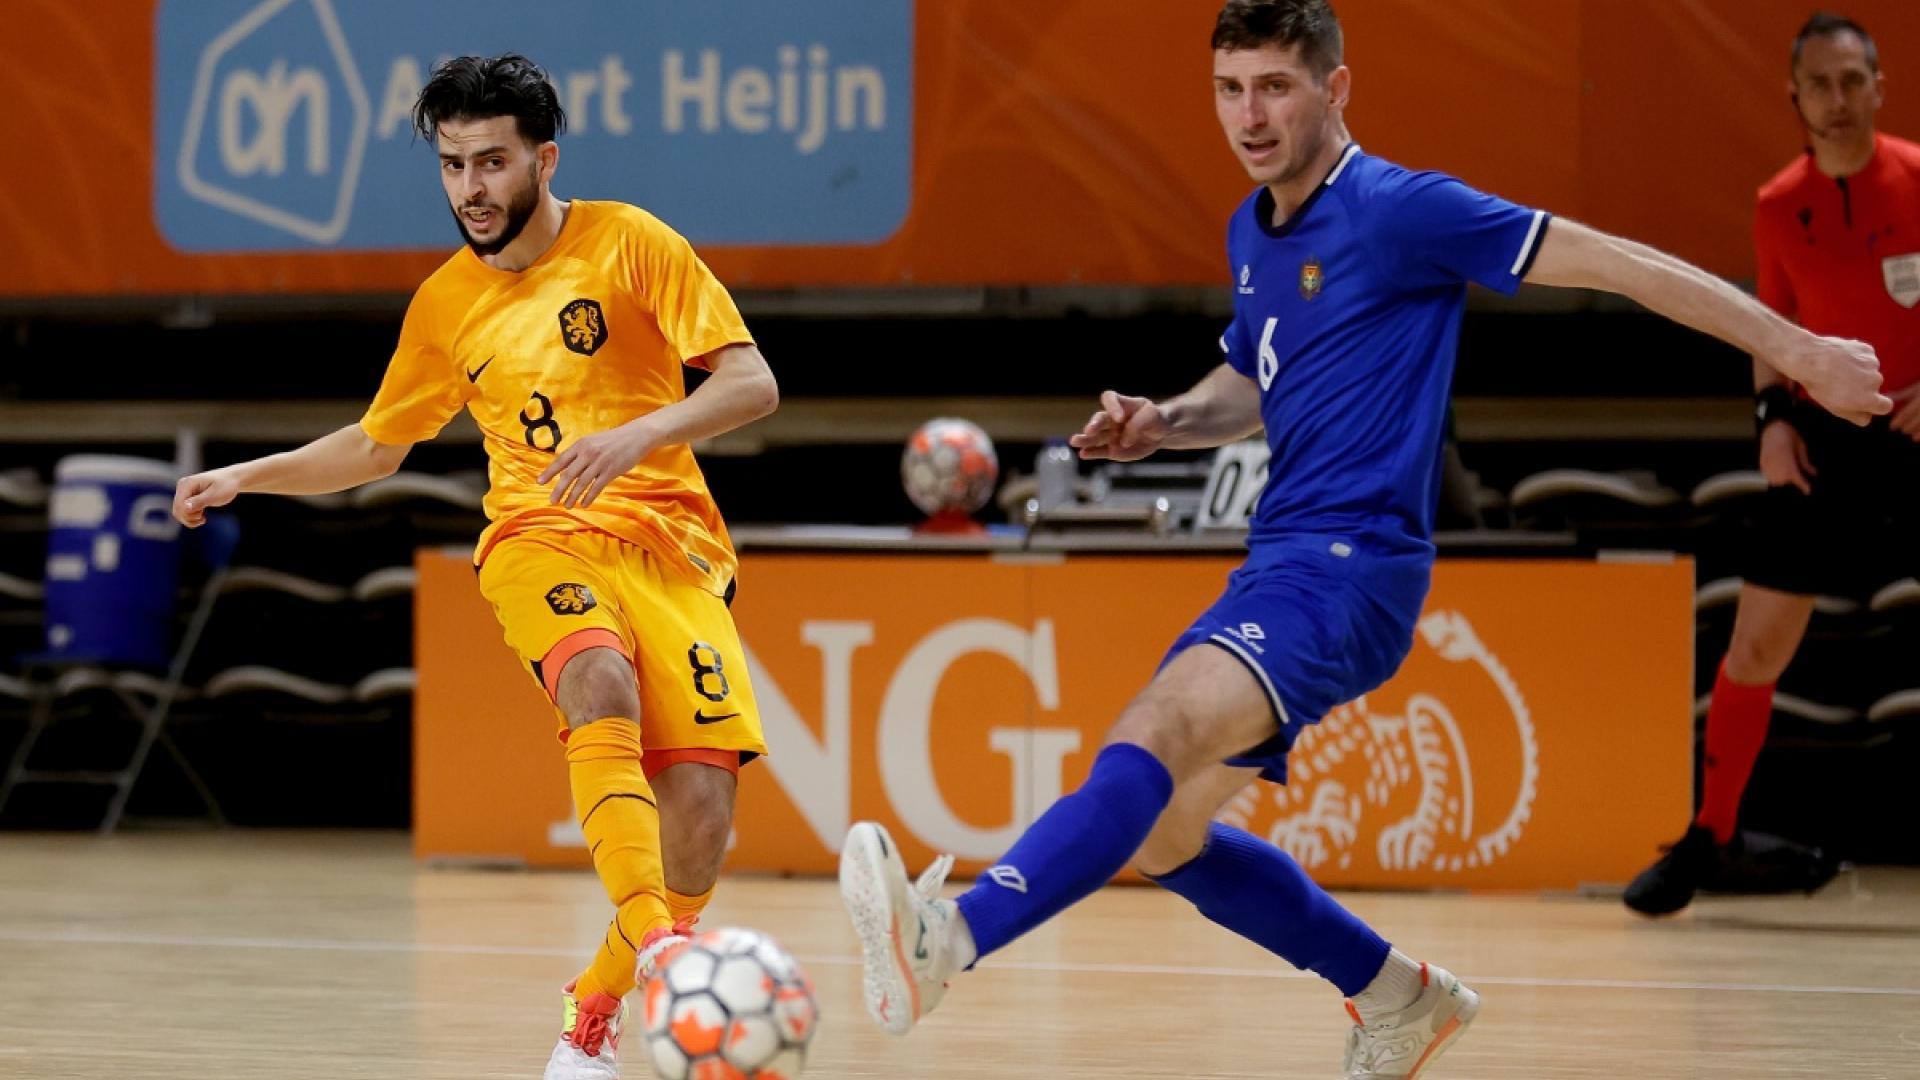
(1538, 737)
(255, 146)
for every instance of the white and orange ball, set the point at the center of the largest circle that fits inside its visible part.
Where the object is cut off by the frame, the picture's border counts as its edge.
(949, 467)
(729, 1005)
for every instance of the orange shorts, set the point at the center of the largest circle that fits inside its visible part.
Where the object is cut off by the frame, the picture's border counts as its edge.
(558, 593)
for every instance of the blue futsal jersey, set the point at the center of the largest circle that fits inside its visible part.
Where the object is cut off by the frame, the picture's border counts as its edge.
(1348, 317)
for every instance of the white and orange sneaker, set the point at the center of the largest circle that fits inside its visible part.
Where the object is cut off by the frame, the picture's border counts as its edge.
(905, 929)
(590, 1028)
(1400, 1045)
(589, 1038)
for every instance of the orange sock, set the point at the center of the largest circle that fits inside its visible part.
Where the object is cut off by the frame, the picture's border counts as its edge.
(621, 820)
(688, 908)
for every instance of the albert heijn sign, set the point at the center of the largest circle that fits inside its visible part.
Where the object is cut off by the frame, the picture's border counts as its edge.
(286, 125)
(954, 698)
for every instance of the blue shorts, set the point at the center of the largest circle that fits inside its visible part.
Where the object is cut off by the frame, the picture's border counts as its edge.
(1319, 620)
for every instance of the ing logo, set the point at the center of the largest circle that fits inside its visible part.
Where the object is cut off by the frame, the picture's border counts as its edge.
(277, 125)
(1444, 785)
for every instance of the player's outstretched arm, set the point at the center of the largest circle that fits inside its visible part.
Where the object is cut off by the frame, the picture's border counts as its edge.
(740, 391)
(1223, 407)
(347, 458)
(1842, 375)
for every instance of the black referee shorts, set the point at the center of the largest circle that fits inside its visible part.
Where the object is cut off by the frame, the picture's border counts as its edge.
(1859, 530)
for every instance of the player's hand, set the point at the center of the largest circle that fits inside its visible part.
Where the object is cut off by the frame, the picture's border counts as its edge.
(1125, 429)
(582, 471)
(193, 495)
(1783, 457)
(1843, 376)
(1906, 412)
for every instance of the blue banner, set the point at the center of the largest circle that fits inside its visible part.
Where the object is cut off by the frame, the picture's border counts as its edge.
(285, 125)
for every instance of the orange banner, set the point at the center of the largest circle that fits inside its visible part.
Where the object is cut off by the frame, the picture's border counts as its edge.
(1063, 143)
(1539, 737)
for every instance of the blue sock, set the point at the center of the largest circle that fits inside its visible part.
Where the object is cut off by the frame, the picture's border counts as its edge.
(1257, 891)
(1073, 849)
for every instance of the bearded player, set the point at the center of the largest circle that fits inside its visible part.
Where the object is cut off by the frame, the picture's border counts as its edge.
(561, 327)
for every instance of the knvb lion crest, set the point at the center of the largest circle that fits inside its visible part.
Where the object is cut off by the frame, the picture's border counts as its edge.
(1370, 790)
(583, 327)
(571, 598)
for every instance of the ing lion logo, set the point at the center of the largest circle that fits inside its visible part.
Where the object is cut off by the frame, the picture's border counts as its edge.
(583, 327)
(571, 598)
(1374, 790)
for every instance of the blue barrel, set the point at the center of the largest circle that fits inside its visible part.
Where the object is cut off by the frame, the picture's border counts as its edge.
(112, 561)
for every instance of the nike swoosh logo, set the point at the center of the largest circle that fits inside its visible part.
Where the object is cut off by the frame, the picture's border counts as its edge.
(702, 718)
(474, 375)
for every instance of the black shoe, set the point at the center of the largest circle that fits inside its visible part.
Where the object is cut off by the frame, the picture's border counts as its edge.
(1669, 884)
(1758, 863)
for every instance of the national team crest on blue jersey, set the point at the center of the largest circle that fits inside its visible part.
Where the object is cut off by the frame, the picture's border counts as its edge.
(1311, 278)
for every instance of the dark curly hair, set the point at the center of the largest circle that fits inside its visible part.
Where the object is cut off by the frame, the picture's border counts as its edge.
(476, 88)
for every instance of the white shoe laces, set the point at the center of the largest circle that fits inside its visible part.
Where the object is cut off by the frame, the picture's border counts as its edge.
(934, 878)
(1356, 1038)
(935, 914)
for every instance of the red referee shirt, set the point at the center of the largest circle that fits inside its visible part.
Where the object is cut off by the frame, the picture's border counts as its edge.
(1842, 257)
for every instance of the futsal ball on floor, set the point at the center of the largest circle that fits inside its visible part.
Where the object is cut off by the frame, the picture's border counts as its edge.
(949, 467)
(729, 1005)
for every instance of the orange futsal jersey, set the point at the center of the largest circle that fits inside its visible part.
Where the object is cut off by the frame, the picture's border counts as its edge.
(587, 338)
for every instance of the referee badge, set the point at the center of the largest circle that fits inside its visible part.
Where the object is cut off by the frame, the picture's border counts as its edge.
(1903, 278)
(1311, 278)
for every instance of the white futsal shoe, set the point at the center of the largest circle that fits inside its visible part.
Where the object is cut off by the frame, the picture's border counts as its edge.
(590, 1027)
(905, 929)
(589, 1038)
(1400, 1045)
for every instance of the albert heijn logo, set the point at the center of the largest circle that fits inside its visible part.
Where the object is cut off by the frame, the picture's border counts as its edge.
(276, 126)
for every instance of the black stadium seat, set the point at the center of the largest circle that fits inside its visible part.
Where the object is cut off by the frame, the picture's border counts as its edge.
(1728, 492)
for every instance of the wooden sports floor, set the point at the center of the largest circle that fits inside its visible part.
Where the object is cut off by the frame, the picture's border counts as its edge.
(324, 956)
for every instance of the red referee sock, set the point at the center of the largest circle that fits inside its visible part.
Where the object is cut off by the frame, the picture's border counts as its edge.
(1736, 729)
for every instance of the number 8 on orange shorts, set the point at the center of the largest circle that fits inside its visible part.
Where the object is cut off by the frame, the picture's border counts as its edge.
(558, 593)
